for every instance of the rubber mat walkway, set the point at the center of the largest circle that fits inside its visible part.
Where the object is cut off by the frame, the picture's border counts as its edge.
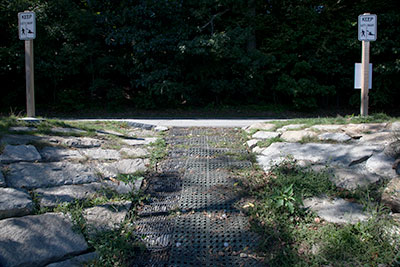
(191, 218)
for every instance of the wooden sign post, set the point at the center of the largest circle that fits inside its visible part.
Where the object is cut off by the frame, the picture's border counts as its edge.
(27, 32)
(366, 33)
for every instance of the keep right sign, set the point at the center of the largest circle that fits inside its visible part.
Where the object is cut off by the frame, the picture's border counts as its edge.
(367, 27)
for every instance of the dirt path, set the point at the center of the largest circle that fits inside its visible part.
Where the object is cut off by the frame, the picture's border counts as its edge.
(192, 218)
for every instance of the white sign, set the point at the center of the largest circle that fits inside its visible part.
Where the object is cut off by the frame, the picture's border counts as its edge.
(27, 25)
(367, 27)
(357, 76)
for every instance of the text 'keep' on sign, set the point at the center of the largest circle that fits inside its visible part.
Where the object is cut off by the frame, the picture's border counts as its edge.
(367, 25)
(27, 25)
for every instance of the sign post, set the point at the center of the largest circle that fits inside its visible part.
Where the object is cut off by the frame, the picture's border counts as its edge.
(367, 26)
(27, 32)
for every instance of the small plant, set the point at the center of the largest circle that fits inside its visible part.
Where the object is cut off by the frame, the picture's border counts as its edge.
(270, 141)
(130, 177)
(285, 199)
(158, 152)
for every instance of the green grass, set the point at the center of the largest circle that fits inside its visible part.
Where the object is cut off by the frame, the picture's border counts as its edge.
(297, 237)
(158, 152)
(270, 141)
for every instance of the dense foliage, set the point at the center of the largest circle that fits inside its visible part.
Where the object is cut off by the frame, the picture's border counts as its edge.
(175, 53)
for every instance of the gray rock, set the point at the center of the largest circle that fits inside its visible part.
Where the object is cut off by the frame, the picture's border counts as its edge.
(382, 165)
(265, 135)
(18, 153)
(67, 130)
(357, 130)
(395, 126)
(125, 166)
(77, 261)
(297, 136)
(14, 203)
(2, 181)
(38, 175)
(134, 152)
(51, 197)
(102, 154)
(393, 149)
(335, 154)
(383, 138)
(160, 128)
(110, 132)
(257, 149)
(290, 127)
(327, 127)
(252, 143)
(106, 217)
(259, 126)
(20, 139)
(57, 154)
(140, 141)
(352, 177)
(336, 210)
(81, 142)
(391, 195)
(337, 137)
(22, 129)
(38, 240)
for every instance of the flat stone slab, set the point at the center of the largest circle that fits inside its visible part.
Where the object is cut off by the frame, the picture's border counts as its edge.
(139, 141)
(134, 152)
(290, 127)
(260, 126)
(124, 166)
(106, 217)
(391, 195)
(39, 175)
(265, 135)
(18, 153)
(297, 136)
(77, 261)
(22, 129)
(252, 143)
(52, 197)
(17, 139)
(160, 128)
(102, 154)
(14, 203)
(357, 130)
(336, 210)
(382, 138)
(395, 126)
(352, 177)
(67, 130)
(327, 127)
(38, 240)
(79, 142)
(335, 154)
(337, 137)
(58, 154)
(382, 165)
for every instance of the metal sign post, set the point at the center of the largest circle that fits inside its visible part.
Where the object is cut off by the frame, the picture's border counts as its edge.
(27, 32)
(367, 31)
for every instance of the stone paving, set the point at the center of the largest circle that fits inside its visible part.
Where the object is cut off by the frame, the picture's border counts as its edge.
(40, 172)
(355, 155)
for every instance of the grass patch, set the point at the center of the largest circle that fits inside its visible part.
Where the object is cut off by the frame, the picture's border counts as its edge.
(158, 152)
(269, 141)
(130, 177)
(293, 236)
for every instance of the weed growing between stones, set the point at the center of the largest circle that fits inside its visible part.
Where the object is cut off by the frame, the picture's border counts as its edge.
(158, 152)
(130, 177)
(294, 236)
(270, 141)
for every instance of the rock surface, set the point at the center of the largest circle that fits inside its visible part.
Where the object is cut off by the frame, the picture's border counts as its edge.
(38, 240)
(103, 154)
(14, 203)
(80, 142)
(106, 217)
(290, 127)
(252, 143)
(327, 127)
(38, 175)
(20, 139)
(336, 210)
(77, 261)
(337, 137)
(335, 154)
(140, 141)
(260, 126)
(17, 153)
(352, 177)
(297, 136)
(134, 152)
(57, 154)
(124, 166)
(381, 164)
(22, 129)
(391, 195)
(265, 135)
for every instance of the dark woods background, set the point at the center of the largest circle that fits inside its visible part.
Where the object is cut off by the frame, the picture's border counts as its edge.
(198, 53)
